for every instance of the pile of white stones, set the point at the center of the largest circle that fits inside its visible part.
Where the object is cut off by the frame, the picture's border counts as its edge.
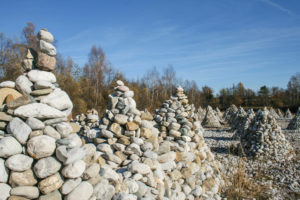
(273, 113)
(211, 119)
(195, 173)
(230, 113)
(264, 139)
(40, 155)
(243, 123)
(279, 113)
(288, 114)
(295, 122)
(200, 114)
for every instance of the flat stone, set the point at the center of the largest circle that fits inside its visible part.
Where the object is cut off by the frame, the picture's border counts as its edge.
(47, 48)
(5, 117)
(39, 111)
(74, 170)
(46, 62)
(43, 85)
(9, 146)
(29, 192)
(41, 92)
(58, 99)
(70, 185)
(19, 162)
(55, 195)
(7, 84)
(34, 123)
(55, 121)
(20, 101)
(83, 192)
(131, 126)
(50, 131)
(45, 35)
(3, 172)
(4, 191)
(50, 184)
(38, 75)
(25, 178)
(24, 85)
(46, 167)
(19, 129)
(41, 146)
(121, 119)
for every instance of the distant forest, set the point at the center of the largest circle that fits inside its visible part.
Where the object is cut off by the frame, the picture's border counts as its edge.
(90, 85)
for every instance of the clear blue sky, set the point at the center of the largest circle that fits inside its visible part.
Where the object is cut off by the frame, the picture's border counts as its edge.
(214, 42)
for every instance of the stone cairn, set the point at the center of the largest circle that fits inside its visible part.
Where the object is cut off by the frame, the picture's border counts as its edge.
(211, 119)
(243, 124)
(200, 114)
(230, 113)
(194, 173)
(40, 155)
(264, 139)
(273, 113)
(238, 118)
(219, 113)
(295, 122)
(288, 114)
(279, 113)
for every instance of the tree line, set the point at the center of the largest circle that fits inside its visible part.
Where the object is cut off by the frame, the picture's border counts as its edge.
(89, 86)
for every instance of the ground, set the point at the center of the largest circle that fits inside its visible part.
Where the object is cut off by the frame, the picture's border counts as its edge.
(252, 179)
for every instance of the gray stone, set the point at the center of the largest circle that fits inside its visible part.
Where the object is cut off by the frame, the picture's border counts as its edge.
(74, 170)
(70, 185)
(104, 148)
(4, 191)
(47, 48)
(23, 84)
(46, 167)
(74, 154)
(3, 172)
(7, 84)
(82, 192)
(136, 167)
(55, 195)
(112, 157)
(9, 146)
(19, 129)
(64, 128)
(132, 186)
(41, 146)
(103, 190)
(29, 192)
(91, 171)
(19, 162)
(38, 75)
(34, 123)
(39, 111)
(58, 99)
(43, 85)
(50, 131)
(108, 173)
(45, 35)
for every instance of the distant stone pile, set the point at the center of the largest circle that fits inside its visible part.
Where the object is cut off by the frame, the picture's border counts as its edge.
(211, 119)
(264, 138)
(40, 155)
(238, 118)
(230, 114)
(295, 122)
(288, 114)
(273, 113)
(243, 123)
(194, 172)
(279, 113)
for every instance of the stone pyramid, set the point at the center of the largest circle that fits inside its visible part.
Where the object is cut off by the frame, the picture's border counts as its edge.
(184, 135)
(295, 122)
(229, 113)
(238, 117)
(219, 113)
(41, 156)
(243, 124)
(288, 114)
(200, 114)
(273, 113)
(211, 119)
(264, 139)
(279, 113)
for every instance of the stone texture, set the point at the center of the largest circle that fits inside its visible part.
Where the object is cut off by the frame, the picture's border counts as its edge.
(46, 167)
(82, 192)
(74, 170)
(50, 184)
(4, 92)
(34, 123)
(9, 146)
(41, 146)
(4, 191)
(25, 178)
(70, 185)
(47, 48)
(29, 192)
(7, 84)
(19, 129)
(3, 172)
(24, 85)
(45, 35)
(46, 62)
(58, 99)
(37, 75)
(19, 162)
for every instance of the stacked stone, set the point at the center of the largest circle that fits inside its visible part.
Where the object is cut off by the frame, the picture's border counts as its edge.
(41, 156)
(219, 113)
(200, 114)
(238, 118)
(295, 122)
(279, 113)
(192, 170)
(211, 119)
(244, 121)
(89, 122)
(230, 113)
(288, 114)
(273, 113)
(264, 139)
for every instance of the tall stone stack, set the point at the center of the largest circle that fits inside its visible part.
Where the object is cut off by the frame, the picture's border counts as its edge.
(211, 119)
(288, 114)
(41, 156)
(264, 139)
(295, 122)
(243, 124)
(238, 118)
(183, 136)
(230, 113)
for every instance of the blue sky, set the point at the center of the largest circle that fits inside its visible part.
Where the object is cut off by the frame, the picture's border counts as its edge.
(216, 43)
